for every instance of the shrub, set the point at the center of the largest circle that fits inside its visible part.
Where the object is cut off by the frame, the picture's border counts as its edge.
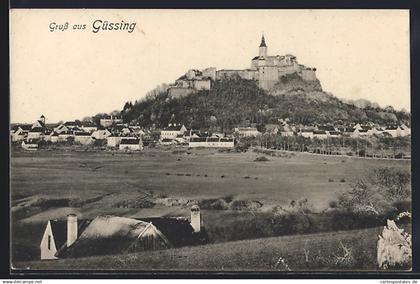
(261, 159)
(333, 204)
(330, 180)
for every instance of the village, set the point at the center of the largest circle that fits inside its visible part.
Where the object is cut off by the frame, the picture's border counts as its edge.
(113, 134)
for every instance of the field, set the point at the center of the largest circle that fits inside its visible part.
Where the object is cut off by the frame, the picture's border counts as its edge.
(163, 182)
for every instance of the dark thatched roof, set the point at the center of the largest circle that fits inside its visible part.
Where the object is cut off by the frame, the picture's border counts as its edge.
(177, 230)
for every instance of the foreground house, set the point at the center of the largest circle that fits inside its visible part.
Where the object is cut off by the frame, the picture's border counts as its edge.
(115, 235)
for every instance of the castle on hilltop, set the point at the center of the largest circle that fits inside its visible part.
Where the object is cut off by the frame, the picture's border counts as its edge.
(265, 69)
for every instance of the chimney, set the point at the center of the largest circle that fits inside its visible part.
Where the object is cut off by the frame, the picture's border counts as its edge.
(71, 229)
(195, 218)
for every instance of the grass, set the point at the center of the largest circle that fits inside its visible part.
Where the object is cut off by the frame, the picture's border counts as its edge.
(59, 175)
(51, 184)
(300, 253)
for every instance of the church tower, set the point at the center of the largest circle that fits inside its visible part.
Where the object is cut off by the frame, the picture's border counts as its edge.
(263, 48)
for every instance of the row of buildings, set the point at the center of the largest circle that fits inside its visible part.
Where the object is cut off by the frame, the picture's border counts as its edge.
(111, 129)
(128, 137)
(327, 131)
(179, 134)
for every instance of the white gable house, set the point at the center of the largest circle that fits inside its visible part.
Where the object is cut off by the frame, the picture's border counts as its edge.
(172, 131)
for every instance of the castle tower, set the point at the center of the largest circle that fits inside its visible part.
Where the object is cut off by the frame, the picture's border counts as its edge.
(195, 218)
(263, 48)
(71, 229)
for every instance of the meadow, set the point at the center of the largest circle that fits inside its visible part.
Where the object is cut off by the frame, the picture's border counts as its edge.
(166, 181)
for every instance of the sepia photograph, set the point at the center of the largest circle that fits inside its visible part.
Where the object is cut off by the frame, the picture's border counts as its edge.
(210, 140)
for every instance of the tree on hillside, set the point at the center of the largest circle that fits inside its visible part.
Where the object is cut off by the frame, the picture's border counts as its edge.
(235, 100)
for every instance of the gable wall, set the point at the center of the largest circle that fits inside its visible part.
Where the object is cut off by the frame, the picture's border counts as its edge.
(45, 252)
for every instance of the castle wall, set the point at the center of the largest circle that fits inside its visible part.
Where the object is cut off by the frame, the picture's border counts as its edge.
(245, 74)
(268, 76)
(183, 83)
(284, 70)
(202, 84)
(209, 72)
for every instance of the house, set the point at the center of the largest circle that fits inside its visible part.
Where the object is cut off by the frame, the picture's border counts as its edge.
(247, 132)
(61, 128)
(65, 136)
(307, 133)
(77, 129)
(286, 131)
(88, 126)
(110, 120)
(126, 131)
(405, 130)
(70, 125)
(19, 132)
(47, 135)
(137, 130)
(172, 131)
(180, 139)
(83, 138)
(59, 234)
(30, 145)
(212, 142)
(320, 134)
(326, 128)
(333, 134)
(39, 123)
(166, 141)
(131, 144)
(54, 137)
(36, 133)
(107, 234)
(113, 140)
(271, 128)
(358, 126)
(101, 134)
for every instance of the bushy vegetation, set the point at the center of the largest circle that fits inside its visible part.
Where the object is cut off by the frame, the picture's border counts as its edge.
(379, 194)
(383, 194)
(232, 102)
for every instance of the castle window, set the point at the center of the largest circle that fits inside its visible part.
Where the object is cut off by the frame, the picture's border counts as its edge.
(49, 242)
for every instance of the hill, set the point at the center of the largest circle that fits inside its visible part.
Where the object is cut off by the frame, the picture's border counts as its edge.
(301, 252)
(235, 101)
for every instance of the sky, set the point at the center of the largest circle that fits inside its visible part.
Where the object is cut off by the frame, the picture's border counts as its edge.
(71, 74)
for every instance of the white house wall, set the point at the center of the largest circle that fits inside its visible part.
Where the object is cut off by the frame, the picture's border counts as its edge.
(45, 252)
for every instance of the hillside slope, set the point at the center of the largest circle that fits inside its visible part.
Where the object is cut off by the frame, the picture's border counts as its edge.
(300, 252)
(234, 102)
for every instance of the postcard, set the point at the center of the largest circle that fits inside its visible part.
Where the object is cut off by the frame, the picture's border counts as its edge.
(210, 140)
